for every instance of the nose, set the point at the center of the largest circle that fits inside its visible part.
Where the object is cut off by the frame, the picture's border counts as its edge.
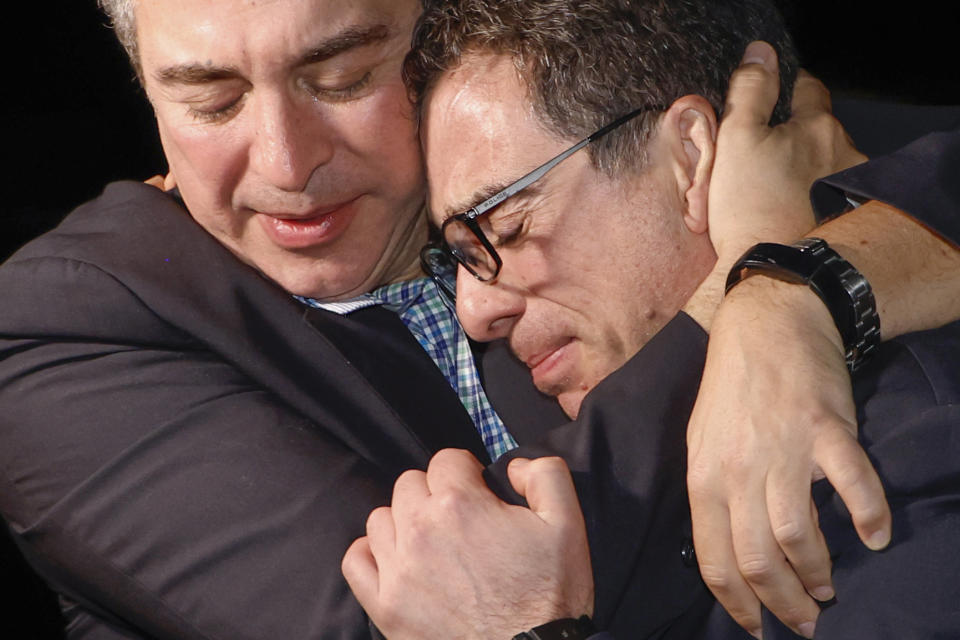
(487, 310)
(290, 140)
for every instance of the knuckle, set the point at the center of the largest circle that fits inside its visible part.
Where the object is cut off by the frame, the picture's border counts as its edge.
(450, 457)
(849, 475)
(809, 81)
(549, 467)
(715, 577)
(378, 517)
(756, 568)
(417, 531)
(790, 533)
(410, 476)
(824, 122)
(378, 514)
(551, 464)
(751, 75)
(452, 503)
(700, 482)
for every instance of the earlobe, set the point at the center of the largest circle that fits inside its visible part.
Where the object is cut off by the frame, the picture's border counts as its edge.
(693, 123)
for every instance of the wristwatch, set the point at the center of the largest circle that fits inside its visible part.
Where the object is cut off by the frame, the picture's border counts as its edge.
(843, 289)
(566, 629)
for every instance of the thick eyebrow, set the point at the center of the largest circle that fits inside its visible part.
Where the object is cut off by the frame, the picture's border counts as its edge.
(194, 73)
(488, 191)
(350, 38)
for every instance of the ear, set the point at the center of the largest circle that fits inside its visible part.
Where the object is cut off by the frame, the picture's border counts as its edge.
(690, 132)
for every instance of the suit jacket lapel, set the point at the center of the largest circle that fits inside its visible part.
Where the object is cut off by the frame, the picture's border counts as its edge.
(195, 284)
(375, 342)
(527, 413)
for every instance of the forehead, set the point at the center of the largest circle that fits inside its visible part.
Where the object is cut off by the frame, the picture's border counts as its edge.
(480, 130)
(253, 33)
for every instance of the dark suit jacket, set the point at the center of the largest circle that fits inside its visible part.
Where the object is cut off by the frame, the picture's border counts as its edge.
(184, 444)
(187, 451)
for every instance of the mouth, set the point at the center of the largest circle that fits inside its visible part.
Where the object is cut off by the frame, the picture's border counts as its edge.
(319, 226)
(551, 367)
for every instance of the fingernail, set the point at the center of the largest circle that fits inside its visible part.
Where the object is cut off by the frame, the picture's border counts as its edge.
(807, 628)
(878, 540)
(759, 52)
(823, 593)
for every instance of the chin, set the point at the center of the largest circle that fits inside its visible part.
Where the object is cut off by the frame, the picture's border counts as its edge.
(570, 402)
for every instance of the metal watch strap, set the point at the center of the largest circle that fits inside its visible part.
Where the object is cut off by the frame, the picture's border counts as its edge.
(566, 629)
(843, 289)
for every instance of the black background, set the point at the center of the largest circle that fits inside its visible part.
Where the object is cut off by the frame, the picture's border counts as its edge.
(73, 119)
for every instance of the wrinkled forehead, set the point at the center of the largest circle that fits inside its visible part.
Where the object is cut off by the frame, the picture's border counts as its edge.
(257, 32)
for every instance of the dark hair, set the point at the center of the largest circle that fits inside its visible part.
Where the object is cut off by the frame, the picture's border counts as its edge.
(587, 62)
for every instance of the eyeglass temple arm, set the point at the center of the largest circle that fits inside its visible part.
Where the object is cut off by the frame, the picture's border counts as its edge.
(540, 171)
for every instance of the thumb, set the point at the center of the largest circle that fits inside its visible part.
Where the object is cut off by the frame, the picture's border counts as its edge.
(754, 87)
(548, 488)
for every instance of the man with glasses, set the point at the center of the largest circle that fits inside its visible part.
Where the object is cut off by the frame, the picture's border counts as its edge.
(188, 449)
(580, 233)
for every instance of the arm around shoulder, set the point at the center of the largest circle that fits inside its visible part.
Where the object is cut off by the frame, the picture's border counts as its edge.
(157, 486)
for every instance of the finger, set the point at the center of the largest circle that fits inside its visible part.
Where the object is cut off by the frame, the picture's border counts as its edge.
(765, 568)
(410, 492)
(155, 181)
(382, 535)
(456, 469)
(853, 477)
(169, 182)
(794, 525)
(809, 96)
(359, 568)
(548, 487)
(754, 87)
(718, 565)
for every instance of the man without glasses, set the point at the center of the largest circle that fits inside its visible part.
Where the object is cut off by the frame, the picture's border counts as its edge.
(188, 450)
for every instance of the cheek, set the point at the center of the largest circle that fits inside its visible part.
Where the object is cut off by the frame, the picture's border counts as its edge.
(383, 132)
(207, 162)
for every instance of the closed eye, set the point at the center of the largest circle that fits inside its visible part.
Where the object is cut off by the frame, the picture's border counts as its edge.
(216, 113)
(506, 228)
(339, 93)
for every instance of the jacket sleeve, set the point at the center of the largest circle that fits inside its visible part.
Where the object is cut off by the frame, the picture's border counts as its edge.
(157, 486)
(920, 179)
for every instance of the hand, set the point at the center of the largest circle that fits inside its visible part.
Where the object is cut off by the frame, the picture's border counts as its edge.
(775, 408)
(774, 412)
(164, 183)
(449, 559)
(761, 179)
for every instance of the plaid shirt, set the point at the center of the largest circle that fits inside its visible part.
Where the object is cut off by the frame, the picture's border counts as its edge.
(425, 312)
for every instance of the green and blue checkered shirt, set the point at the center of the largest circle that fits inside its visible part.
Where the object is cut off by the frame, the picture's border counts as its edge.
(423, 310)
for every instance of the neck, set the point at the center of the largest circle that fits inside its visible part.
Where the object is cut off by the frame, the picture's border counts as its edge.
(405, 264)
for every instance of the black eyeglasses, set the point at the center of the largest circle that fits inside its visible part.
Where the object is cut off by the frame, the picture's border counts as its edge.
(463, 241)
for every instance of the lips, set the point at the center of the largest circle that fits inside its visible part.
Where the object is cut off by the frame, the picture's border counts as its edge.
(320, 226)
(549, 366)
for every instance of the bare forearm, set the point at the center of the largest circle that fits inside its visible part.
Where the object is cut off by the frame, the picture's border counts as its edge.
(914, 273)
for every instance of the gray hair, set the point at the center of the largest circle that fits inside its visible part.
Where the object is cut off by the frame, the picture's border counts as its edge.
(124, 25)
(587, 62)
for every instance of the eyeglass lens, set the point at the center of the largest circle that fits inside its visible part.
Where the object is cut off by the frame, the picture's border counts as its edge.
(469, 250)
